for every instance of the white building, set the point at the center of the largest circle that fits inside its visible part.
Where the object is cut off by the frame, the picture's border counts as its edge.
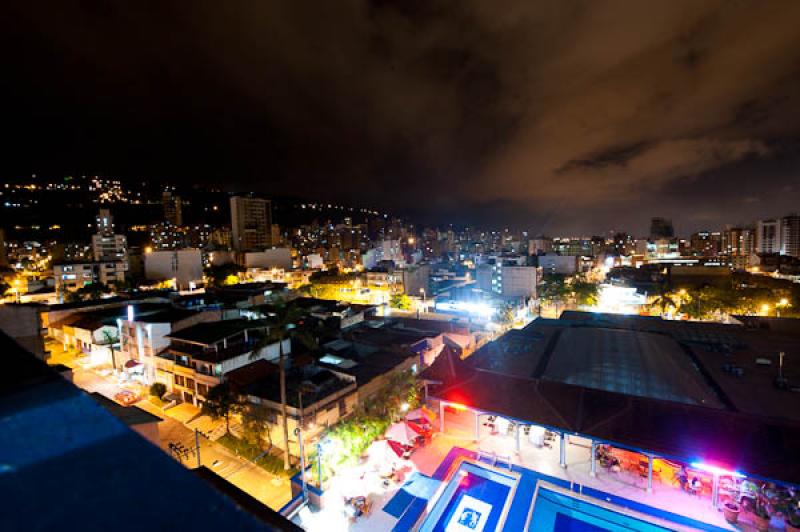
(508, 280)
(145, 336)
(185, 266)
(269, 258)
(71, 276)
(552, 264)
(199, 356)
(107, 246)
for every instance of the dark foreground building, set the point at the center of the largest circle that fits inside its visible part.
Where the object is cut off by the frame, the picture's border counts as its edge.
(66, 463)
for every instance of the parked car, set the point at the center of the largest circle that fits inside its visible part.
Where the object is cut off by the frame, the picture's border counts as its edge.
(126, 398)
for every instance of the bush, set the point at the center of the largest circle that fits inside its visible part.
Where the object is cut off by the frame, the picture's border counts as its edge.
(269, 462)
(158, 389)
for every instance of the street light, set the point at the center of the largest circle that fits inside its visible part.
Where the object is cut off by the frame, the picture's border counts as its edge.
(765, 309)
(783, 303)
(299, 433)
(322, 445)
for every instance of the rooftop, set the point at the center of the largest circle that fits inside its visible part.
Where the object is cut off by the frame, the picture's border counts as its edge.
(56, 439)
(646, 384)
(213, 332)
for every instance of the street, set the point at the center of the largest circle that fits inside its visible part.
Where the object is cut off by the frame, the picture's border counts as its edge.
(267, 488)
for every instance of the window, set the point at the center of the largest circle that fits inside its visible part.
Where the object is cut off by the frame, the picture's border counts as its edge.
(190, 383)
(342, 407)
(179, 380)
(202, 389)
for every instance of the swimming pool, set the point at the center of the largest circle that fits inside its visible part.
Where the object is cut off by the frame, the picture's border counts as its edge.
(558, 510)
(475, 499)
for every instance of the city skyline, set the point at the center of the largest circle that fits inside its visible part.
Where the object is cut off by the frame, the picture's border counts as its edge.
(466, 115)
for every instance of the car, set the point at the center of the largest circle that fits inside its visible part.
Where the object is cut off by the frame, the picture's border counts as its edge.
(126, 397)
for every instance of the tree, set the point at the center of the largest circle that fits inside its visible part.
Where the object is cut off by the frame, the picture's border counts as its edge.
(283, 319)
(255, 424)
(506, 315)
(663, 302)
(158, 389)
(4, 287)
(554, 289)
(110, 343)
(221, 402)
(585, 293)
(221, 275)
(88, 292)
(400, 301)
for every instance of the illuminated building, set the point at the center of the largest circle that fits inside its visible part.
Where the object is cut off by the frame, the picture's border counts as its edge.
(552, 263)
(768, 236)
(107, 246)
(173, 212)
(738, 241)
(507, 278)
(73, 275)
(790, 235)
(705, 244)
(199, 356)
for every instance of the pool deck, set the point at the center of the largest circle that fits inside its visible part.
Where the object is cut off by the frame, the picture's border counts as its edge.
(436, 459)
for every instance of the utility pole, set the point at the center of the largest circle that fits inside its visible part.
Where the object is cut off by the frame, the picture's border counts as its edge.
(197, 445)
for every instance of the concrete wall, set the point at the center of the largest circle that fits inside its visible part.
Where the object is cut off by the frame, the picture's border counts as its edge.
(183, 265)
(23, 323)
(269, 258)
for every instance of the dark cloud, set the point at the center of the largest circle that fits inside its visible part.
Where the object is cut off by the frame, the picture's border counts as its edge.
(556, 116)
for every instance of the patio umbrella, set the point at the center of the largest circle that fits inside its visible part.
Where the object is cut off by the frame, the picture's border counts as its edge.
(399, 433)
(418, 427)
(420, 415)
(396, 447)
(382, 456)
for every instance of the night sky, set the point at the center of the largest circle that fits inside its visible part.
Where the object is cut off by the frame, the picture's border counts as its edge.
(555, 116)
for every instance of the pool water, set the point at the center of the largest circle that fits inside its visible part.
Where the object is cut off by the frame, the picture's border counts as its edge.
(474, 500)
(559, 512)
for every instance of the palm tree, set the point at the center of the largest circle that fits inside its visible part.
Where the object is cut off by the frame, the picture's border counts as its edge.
(283, 319)
(110, 343)
(664, 300)
(222, 401)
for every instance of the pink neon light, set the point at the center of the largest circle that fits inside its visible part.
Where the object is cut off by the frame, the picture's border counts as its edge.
(715, 470)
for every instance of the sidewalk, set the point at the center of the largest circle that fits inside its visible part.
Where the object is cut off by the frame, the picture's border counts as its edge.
(267, 488)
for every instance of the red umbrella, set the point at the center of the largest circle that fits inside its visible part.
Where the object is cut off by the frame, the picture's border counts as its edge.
(397, 448)
(416, 427)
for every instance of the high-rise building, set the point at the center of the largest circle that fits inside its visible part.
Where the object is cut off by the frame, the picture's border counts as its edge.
(768, 236)
(106, 245)
(173, 213)
(738, 241)
(705, 244)
(790, 235)
(3, 256)
(661, 228)
(251, 223)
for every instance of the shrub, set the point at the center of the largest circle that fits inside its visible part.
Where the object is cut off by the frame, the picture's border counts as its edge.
(158, 389)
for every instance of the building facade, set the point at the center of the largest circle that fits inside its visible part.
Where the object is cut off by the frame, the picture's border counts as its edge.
(251, 223)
